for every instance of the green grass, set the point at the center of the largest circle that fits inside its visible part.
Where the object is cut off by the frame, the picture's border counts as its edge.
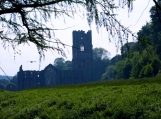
(126, 99)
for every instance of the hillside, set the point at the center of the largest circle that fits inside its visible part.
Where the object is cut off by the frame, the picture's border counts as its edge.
(108, 99)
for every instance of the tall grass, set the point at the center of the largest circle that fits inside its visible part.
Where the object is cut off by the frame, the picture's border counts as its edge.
(115, 99)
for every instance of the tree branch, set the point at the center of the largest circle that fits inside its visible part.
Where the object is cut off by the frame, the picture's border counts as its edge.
(18, 6)
(157, 5)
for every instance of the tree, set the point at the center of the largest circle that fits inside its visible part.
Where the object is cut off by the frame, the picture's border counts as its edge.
(127, 70)
(140, 63)
(156, 64)
(127, 48)
(115, 59)
(68, 65)
(59, 63)
(14, 79)
(118, 71)
(100, 54)
(100, 62)
(136, 65)
(109, 74)
(4, 81)
(146, 30)
(26, 20)
(2, 86)
(11, 87)
(151, 31)
(147, 71)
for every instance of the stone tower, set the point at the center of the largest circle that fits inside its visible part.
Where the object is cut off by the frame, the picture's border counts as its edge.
(82, 50)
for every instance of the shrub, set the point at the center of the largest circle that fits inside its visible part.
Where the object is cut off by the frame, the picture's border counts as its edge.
(147, 71)
(156, 63)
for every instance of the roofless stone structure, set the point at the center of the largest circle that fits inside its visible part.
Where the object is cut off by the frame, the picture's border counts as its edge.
(81, 67)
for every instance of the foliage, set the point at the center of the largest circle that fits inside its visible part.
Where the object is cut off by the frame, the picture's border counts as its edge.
(68, 65)
(147, 71)
(135, 66)
(109, 73)
(100, 62)
(127, 70)
(9, 85)
(4, 81)
(118, 71)
(128, 48)
(27, 20)
(59, 63)
(115, 59)
(107, 99)
(100, 54)
(141, 64)
(136, 69)
(2, 86)
(151, 30)
(4, 77)
(156, 64)
(140, 58)
(121, 68)
(14, 79)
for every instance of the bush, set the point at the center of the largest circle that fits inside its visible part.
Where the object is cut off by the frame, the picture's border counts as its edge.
(147, 71)
(11, 87)
(2, 86)
(156, 66)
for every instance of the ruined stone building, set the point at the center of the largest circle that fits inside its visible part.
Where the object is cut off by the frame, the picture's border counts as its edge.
(81, 67)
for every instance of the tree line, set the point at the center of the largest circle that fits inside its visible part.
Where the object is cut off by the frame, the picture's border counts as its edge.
(27, 21)
(9, 84)
(137, 60)
(141, 58)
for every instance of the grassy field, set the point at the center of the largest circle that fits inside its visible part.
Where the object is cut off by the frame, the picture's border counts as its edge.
(119, 99)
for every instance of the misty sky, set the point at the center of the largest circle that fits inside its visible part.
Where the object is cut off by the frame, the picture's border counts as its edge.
(29, 53)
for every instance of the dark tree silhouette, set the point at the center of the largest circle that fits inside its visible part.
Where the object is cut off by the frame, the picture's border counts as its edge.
(24, 21)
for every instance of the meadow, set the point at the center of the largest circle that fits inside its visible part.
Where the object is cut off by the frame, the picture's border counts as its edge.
(115, 99)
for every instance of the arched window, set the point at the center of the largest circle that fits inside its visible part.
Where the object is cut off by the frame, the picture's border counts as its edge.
(81, 47)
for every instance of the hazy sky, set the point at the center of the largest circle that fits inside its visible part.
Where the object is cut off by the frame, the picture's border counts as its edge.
(29, 53)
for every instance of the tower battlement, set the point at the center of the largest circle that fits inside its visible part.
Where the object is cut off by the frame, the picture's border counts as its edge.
(82, 50)
(50, 76)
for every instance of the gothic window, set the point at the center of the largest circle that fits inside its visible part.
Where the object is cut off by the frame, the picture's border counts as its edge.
(81, 47)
